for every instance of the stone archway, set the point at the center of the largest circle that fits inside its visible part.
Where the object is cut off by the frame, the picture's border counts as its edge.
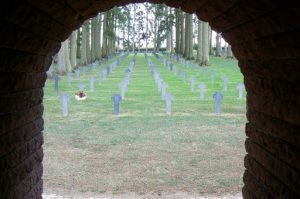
(264, 35)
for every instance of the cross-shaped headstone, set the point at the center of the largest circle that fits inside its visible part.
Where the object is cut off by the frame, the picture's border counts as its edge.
(69, 78)
(116, 99)
(218, 97)
(240, 88)
(225, 81)
(92, 80)
(65, 100)
(104, 74)
(56, 80)
(169, 97)
(193, 79)
(184, 76)
(164, 87)
(81, 86)
(202, 88)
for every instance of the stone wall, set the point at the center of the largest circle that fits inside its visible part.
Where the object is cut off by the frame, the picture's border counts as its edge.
(264, 35)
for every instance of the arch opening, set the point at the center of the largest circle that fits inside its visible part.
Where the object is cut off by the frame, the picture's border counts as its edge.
(144, 146)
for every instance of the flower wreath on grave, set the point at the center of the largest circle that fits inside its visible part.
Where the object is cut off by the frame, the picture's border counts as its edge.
(80, 95)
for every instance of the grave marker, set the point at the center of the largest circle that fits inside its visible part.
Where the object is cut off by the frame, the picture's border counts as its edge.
(169, 97)
(69, 78)
(92, 80)
(225, 81)
(65, 100)
(116, 99)
(202, 88)
(192, 79)
(56, 80)
(218, 97)
(164, 87)
(240, 88)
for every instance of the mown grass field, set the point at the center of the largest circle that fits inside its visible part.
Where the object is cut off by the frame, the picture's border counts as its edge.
(143, 150)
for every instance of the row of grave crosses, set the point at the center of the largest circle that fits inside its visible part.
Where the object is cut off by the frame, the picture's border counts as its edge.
(102, 76)
(161, 86)
(183, 75)
(117, 98)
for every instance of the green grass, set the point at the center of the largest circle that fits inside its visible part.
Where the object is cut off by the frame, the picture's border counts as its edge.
(144, 150)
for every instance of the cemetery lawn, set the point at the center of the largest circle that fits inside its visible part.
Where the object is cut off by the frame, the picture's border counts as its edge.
(143, 150)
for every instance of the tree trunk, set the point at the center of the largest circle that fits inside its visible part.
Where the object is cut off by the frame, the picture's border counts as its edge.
(133, 31)
(172, 43)
(50, 70)
(200, 43)
(79, 40)
(229, 52)
(88, 48)
(218, 45)
(210, 40)
(93, 38)
(104, 38)
(73, 45)
(83, 58)
(99, 27)
(177, 47)
(61, 66)
(147, 29)
(182, 42)
(66, 55)
(205, 46)
(187, 30)
(190, 36)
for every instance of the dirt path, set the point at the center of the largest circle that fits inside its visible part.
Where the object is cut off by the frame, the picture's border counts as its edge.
(180, 195)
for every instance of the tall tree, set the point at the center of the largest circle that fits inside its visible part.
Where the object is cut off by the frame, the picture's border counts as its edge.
(182, 37)
(229, 52)
(188, 52)
(169, 30)
(205, 46)
(98, 37)
(66, 55)
(187, 29)
(88, 46)
(177, 24)
(104, 38)
(50, 70)
(218, 45)
(191, 33)
(79, 40)
(61, 65)
(147, 26)
(200, 43)
(73, 47)
(83, 58)
(94, 44)
(210, 40)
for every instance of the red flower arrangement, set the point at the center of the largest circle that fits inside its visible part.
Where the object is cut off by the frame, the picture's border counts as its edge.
(80, 95)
